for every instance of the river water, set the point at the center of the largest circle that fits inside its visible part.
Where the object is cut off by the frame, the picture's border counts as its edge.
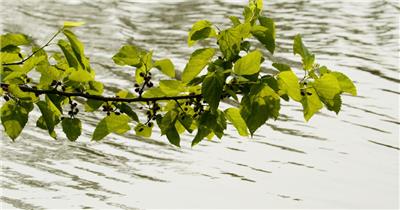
(345, 161)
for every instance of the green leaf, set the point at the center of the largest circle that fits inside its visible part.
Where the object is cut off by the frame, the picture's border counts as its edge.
(327, 86)
(311, 103)
(111, 124)
(289, 84)
(233, 115)
(69, 55)
(187, 122)
(229, 42)
(266, 33)
(125, 108)
(81, 76)
(51, 115)
(166, 67)
(259, 105)
(235, 20)
(92, 105)
(14, 117)
(212, 88)
(249, 64)
(281, 66)
(198, 60)
(128, 55)
(70, 24)
(346, 85)
(72, 127)
(139, 79)
(299, 48)
(17, 92)
(77, 48)
(202, 132)
(171, 87)
(333, 104)
(143, 130)
(200, 30)
(13, 40)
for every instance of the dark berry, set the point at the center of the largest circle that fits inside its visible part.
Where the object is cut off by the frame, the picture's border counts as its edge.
(302, 93)
(6, 98)
(136, 85)
(141, 74)
(63, 88)
(117, 113)
(137, 90)
(28, 80)
(141, 129)
(150, 124)
(185, 109)
(108, 113)
(150, 84)
(70, 113)
(54, 82)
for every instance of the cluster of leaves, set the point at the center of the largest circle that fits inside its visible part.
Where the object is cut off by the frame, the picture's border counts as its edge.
(177, 104)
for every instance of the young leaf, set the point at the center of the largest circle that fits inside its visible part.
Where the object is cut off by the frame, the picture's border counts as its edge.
(166, 67)
(212, 88)
(289, 84)
(51, 115)
(346, 85)
(77, 48)
(143, 130)
(70, 24)
(128, 55)
(14, 117)
(72, 127)
(327, 86)
(281, 66)
(171, 87)
(81, 75)
(229, 42)
(200, 30)
(13, 40)
(233, 115)
(111, 124)
(266, 34)
(198, 60)
(249, 64)
(311, 103)
(299, 48)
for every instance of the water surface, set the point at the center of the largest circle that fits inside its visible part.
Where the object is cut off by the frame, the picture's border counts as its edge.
(345, 161)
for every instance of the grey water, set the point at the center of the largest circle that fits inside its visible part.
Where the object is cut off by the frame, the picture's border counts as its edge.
(345, 161)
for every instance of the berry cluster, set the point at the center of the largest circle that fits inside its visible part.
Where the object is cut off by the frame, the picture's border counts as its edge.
(147, 77)
(74, 109)
(55, 84)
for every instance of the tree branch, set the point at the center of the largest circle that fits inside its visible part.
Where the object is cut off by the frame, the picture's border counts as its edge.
(99, 97)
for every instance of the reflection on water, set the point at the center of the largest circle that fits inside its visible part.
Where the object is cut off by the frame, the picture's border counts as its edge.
(346, 161)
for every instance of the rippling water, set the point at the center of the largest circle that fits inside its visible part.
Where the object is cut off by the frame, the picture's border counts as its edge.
(345, 161)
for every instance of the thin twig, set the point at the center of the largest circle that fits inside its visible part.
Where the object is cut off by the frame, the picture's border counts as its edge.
(34, 52)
